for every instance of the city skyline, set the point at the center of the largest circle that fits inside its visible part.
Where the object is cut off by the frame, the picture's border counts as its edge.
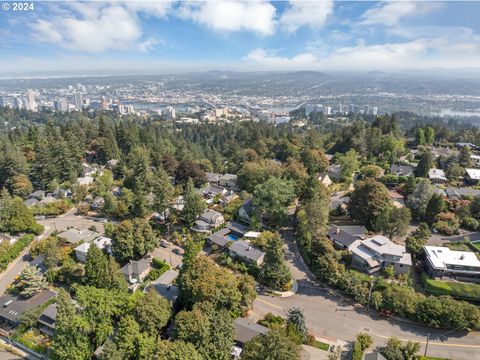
(141, 36)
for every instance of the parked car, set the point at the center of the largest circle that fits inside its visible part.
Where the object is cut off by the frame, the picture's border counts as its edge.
(164, 243)
(177, 251)
(40, 217)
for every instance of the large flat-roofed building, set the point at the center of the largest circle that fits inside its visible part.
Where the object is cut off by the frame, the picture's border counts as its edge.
(443, 262)
(373, 254)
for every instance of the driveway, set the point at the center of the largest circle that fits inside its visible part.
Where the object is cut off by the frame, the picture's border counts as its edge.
(168, 256)
(330, 315)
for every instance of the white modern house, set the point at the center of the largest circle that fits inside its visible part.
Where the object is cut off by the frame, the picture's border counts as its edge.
(443, 262)
(103, 243)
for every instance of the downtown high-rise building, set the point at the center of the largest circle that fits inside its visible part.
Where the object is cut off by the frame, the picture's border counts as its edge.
(61, 105)
(78, 100)
(32, 106)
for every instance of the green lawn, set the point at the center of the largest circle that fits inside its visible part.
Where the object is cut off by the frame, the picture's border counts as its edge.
(459, 290)
(320, 345)
(476, 245)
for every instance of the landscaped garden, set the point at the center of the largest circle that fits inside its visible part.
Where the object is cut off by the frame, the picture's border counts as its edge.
(455, 289)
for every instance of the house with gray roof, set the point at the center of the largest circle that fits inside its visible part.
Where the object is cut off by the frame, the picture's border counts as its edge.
(213, 178)
(164, 285)
(208, 221)
(437, 176)
(246, 212)
(375, 253)
(245, 251)
(74, 235)
(136, 271)
(457, 193)
(246, 330)
(401, 170)
(46, 321)
(228, 181)
(12, 307)
(343, 236)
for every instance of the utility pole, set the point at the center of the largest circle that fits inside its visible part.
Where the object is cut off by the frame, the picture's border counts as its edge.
(426, 345)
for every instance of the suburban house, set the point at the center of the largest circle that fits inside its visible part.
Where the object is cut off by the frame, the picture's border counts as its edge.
(98, 203)
(334, 172)
(246, 330)
(111, 164)
(213, 178)
(247, 211)
(443, 262)
(103, 243)
(375, 253)
(209, 192)
(437, 176)
(475, 159)
(85, 180)
(136, 271)
(88, 170)
(46, 321)
(208, 221)
(455, 193)
(30, 202)
(470, 145)
(12, 307)
(443, 152)
(62, 193)
(245, 251)
(231, 232)
(344, 236)
(401, 170)
(398, 200)
(164, 285)
(38, 195)
(324, 179)
(374, 356)
(473, 176)
(228, 181)
(74, 235)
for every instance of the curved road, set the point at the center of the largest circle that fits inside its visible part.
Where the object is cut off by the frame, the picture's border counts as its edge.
(330, 315)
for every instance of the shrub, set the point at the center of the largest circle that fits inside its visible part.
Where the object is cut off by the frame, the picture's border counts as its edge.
(15, 250)
(470, 223)
(357, 353)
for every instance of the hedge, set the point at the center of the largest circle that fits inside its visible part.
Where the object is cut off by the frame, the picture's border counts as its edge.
(159, 267)
(455, 289)
(357, 353)
(15, 250)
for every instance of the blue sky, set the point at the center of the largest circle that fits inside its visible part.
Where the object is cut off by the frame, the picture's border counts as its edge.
(171, 36)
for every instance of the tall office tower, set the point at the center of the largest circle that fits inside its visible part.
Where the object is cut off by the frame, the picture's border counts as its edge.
(366, 110)
(340, 108)
(61, 105)
(327, 110)
(78, 100)
(351, 109)
(375, 111)
(170, 113)
(17, 103)
(32, 106)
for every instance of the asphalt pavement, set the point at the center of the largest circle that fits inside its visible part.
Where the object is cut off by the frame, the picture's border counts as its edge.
(330, 315)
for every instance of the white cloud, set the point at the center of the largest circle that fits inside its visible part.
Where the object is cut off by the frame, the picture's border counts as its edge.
(270, 60)
(306, 13)
(422, 53)
(45, 31)
(230, 16)
(390, 13)
(98, 26)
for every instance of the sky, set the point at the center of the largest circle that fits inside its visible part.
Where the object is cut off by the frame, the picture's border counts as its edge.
(172, 36)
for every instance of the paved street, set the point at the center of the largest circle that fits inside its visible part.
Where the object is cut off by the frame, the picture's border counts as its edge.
(59, 224)
(330, 315)
(167, 255)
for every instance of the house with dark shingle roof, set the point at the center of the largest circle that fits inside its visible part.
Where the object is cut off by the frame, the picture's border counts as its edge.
(12, 307)
(343, 236)
(46, 321)
(246, 330)
(401, 170)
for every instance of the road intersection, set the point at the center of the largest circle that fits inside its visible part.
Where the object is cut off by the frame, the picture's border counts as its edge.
(330, 315)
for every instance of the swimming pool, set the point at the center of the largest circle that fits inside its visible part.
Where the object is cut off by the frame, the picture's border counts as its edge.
(232, 236)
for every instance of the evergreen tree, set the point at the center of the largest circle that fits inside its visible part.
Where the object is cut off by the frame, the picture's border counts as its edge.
(96, 268)
(274, 271)
(153, 312)
(31, 281)
(275, 345)
(425, 164)
(296, 318)
(194, 204)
